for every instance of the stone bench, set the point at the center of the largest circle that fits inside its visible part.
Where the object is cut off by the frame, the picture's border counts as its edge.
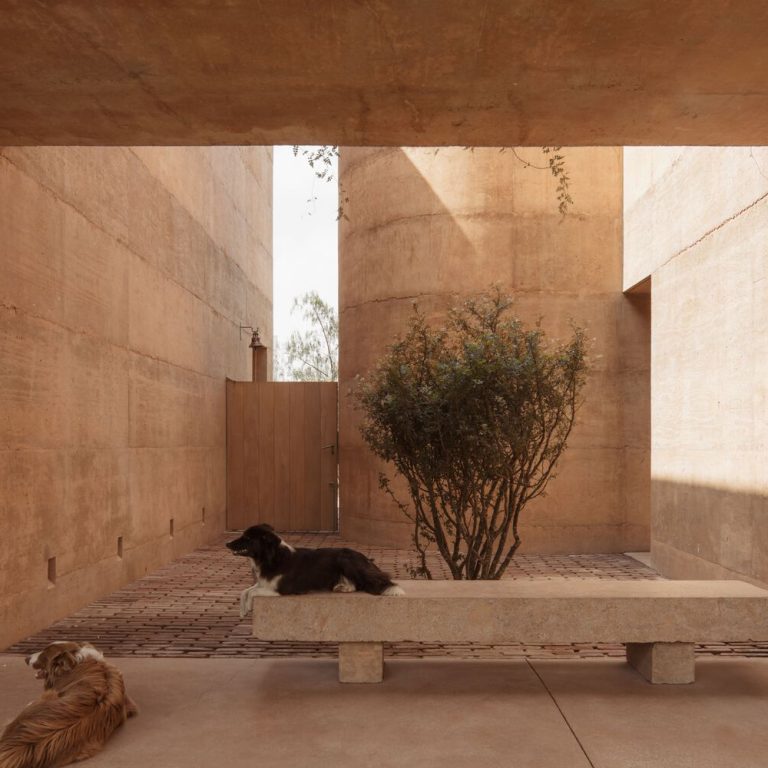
(658, 621)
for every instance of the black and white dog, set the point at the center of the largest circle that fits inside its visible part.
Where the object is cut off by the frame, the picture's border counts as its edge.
(280, 569)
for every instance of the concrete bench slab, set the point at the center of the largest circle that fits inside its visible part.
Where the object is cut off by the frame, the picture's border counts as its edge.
(658, 621)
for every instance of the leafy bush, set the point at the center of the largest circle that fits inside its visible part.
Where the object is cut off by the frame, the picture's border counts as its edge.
(474, 416)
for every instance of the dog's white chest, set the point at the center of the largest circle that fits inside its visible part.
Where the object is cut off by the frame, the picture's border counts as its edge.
(269, 584)
(261, 588)
(261, 583)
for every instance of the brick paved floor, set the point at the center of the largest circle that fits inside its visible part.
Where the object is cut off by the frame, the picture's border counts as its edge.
(190, 608)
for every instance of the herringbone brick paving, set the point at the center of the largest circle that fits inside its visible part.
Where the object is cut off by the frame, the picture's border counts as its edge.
(190, 608)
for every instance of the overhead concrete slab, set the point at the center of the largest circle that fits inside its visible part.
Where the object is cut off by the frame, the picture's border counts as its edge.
(384, 72)
(621, 720)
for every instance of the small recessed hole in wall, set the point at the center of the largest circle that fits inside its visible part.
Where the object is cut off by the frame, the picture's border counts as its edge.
(51, 571)
(171, 528)
(120, 546)
(203, 516)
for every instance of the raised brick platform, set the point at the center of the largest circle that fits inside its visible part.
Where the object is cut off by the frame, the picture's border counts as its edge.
(190, 608)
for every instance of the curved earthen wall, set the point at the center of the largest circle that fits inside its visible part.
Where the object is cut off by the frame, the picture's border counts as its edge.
(433, 226)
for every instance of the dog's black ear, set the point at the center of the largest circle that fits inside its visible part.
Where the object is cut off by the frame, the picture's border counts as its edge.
(269, 545)
(267, 527)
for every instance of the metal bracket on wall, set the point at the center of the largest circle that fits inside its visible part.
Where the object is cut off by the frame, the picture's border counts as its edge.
(255, 340)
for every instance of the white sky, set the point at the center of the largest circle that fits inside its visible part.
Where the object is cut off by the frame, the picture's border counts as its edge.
(305, 244)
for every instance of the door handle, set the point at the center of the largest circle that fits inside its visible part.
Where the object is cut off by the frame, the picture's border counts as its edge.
(332, 446)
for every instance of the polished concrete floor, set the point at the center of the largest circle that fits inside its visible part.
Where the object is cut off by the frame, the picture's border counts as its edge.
(517, 714)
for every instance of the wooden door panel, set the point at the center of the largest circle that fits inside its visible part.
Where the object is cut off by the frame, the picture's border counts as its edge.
(235, 457)
(282, 446)
(264, 503)
(251, 485)
(329, 459)
(282, 455)
(310, 458)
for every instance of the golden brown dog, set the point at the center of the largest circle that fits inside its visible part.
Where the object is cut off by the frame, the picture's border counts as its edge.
(84, 701)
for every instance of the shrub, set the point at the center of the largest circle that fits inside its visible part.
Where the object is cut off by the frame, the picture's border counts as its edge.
(474, 416)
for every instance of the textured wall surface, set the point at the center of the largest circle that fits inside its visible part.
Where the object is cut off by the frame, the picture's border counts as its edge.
(697, 222)
(432, 227)
(124, 275)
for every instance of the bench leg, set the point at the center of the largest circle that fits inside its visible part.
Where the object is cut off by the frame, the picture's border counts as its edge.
(663, 662)
(361, 662)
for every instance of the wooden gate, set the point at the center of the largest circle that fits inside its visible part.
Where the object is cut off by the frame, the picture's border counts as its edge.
(282, 456)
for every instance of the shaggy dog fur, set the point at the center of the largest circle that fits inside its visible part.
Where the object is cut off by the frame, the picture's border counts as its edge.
(84, 701)
(280, 569)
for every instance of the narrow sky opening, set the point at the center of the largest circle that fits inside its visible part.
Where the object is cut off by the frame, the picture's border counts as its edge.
(305, 239)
